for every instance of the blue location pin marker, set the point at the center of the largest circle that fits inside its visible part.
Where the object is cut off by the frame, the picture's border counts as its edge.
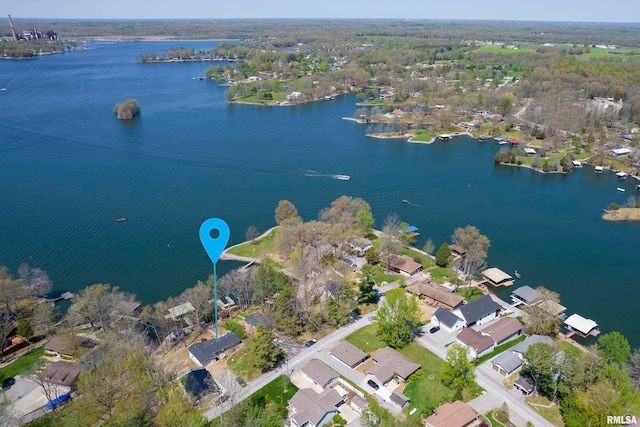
(214, 247)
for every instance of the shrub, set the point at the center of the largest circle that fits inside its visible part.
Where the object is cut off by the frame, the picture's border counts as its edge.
(127, 109)
(236, 328)
(613, 207)
(413, 377)
(419, 372)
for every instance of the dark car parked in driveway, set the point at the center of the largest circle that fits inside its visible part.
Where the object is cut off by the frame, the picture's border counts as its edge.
(373, 384)
(434, 329)
(310, 343)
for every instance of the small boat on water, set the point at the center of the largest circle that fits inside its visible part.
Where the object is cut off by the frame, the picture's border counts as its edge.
(342, 177)
(123, 219)
(516, 274)
(405, 201)
(620, 189)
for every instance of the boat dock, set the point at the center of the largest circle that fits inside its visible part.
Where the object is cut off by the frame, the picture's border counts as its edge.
(65, 296)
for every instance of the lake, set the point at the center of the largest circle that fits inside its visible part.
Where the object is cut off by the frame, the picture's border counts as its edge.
(69, 169)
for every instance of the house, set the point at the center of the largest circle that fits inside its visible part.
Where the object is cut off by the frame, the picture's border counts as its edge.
(457, 250)
(67, 346)
(479, 311)
(453, 414)
(497, 277)
(294, 96)
(503, 330)
(619, 152)
(390, 364)
(525, 385)
(526, 295)
(436, 295)
(359, 244)
(499, 140)
(319, 374)
(349, 354)
(179, 311)
(14, 344)
(478, 344)
(507, 363)
(582, 326)
(61, 376)
(310, 409)
(446, 320)
(358, 403)
(198, 382)
(203, 353)
(403, 265)
(256, 319)
(521, 348)
(530, 151)
(399, 399)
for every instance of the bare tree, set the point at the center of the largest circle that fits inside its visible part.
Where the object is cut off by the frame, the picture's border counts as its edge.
(44, 318)
(391, 237)
(252, 234)
(200, 297)
(35, 279)
(475, 245)
(239, 284)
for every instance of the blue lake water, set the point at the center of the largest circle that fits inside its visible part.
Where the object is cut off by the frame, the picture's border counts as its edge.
(69, 169)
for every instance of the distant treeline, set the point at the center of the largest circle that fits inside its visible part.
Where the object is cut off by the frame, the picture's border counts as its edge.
(29, 48)
(318, 30)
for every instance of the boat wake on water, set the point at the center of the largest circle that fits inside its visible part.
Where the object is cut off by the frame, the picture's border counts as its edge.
(327, 175)
(410, 203)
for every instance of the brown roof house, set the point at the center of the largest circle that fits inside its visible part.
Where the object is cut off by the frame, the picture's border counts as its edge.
(478, 344)
(390, 364)
(455, 414)
(60, 377)
(436, 295)
(67, 345)
(310, 409)
(404, 265)
(349, 354)
(503, 330)
(319, 374)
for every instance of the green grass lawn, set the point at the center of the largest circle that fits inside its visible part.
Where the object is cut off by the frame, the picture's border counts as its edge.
(366, 339)
(499, 349)
(240, 364)
(552, 414)
(23, 364)
(469, 294)
(423, 135)
(500, 49)
(275, 392)
(493, 421)
(380, 276)
(567, 347)
(441, 274)
(427, 262)
(265, 245)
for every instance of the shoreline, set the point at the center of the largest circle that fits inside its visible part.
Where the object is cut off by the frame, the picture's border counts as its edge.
(622, 214)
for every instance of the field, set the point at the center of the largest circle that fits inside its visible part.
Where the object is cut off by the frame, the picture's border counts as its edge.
(366, 339)
(23, 364)
(255, 249)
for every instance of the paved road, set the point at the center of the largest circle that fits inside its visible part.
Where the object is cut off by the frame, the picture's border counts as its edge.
(294, 363)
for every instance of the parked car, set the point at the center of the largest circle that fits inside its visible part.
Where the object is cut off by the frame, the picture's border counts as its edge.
(6, 385)
(240, 381)
(310, 343)
(59, 401)
(373, 384)
(222, 399)
(434, 329)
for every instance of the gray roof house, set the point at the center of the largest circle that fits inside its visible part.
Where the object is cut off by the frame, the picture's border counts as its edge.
(198, 382)
(390, 363)
(479, 311)
(310, 409)
(506, 364)
(520, 348)
(349, 354)
(526, 295)
(319, 374)
(447, 320)
(206, 352)
(256, 319)
(399, 399)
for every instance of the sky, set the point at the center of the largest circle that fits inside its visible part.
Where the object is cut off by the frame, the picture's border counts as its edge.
(520, 10)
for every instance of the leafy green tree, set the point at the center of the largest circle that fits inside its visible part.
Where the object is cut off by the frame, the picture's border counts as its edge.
(538, 365)
(24, 328)
(367, 294)
(568, 374)
(429, 246)
(268, 281)
(263, 352)
(178, 412)
(285, 315)
(615, 347)
(365, 221)
(398, 318)
(634, 368)
(457, 372)
(444, 257)
(286, 212)
(339, 309)
(372, 256)
(127, 109)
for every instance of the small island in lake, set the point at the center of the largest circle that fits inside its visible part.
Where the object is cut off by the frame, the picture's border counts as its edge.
(127, 109)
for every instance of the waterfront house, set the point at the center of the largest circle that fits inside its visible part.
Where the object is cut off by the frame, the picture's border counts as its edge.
(179, 311)
(581, 326)
(521, 348)
(389, 364)
(530, 151)
(210, 351)
(479, 311)
(503, 330)
(60, 377)
(478, 344)
(497, 277)
(403, 265)
(457, 250)
(526, 295)
(359, 244)
(68, 345)
(319, 374)
(453, 414)
(620, 152)
(255, 319)
(436, 295)
(349, 354)
(446, 320)
(294, 96)
(310, 409)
